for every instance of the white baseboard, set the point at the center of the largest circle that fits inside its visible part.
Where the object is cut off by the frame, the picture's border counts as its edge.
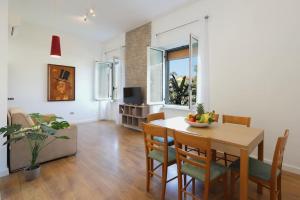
(4, 172)
(84, 121)
(287, 167)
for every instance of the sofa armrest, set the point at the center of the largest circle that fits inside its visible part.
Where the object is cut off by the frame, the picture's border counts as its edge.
(47, 118)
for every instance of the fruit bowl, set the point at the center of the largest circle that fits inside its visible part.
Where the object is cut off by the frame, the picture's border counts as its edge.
(197, 124)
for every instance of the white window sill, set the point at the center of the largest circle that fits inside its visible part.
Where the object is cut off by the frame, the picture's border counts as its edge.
(176, 107)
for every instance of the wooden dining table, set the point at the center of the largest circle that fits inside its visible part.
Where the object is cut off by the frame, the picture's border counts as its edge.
(230, 138)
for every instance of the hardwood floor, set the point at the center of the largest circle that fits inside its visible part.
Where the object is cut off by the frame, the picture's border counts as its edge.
(110, 165)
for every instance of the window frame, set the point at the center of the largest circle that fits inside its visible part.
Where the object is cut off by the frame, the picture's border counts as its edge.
(165, 76)
(112, 85)
(149, 102)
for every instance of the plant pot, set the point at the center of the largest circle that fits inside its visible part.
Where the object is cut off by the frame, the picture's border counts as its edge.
(32, 173)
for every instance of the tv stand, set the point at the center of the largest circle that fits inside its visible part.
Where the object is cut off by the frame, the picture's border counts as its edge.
(133, 115)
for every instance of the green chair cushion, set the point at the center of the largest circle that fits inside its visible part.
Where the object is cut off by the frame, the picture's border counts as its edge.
(257, 169)
(198, 173)
(160, 139)
(158, 155)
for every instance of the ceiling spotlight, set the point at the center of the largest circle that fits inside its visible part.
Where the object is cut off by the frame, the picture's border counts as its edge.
(91, 11)
(94, 15)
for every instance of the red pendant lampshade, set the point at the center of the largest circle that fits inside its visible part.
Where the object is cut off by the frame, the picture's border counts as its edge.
(55, 46)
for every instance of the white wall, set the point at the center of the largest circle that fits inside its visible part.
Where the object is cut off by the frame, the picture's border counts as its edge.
(253, 51)
(3, 82)
(28, 59)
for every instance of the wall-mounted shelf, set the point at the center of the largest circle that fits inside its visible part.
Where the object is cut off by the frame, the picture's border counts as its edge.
(133, 116)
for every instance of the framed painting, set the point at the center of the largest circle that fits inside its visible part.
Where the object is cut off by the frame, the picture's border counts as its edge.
(61, 83)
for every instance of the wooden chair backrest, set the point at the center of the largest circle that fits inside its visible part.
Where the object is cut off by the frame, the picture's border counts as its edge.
(278, 154)
(149, 132)
(196, 142)
(155, 116)
(237, 120)
(216, 117)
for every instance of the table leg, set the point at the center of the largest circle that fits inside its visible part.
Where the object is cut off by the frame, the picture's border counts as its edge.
(244, 174)
(214, 155)
(261, 158)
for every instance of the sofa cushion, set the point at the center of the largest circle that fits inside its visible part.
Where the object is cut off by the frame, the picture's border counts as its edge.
(161, 139)
(158, 155)
(257, 169)
(216, 170)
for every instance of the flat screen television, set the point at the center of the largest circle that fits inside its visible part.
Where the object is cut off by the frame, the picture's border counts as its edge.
(133, 95)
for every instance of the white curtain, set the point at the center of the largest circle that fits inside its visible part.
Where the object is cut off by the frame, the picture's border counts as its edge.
(204, 64)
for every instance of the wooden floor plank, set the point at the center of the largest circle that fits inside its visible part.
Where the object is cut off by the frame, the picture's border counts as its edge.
(110, 165)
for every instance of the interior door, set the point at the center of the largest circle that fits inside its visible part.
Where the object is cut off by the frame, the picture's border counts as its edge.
(155, 75)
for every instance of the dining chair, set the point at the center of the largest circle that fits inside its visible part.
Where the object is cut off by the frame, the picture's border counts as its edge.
(159, 151)
(199, 150)
(198, 167)
(269, 176)
(216, 118)
(245, 121)
(157, 116)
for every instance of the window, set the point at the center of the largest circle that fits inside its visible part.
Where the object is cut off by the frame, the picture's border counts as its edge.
(172, 79)
(106, 81)
(177, 76)
(155, 76)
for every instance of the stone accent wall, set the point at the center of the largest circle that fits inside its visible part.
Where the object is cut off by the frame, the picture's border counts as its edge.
(137, 41)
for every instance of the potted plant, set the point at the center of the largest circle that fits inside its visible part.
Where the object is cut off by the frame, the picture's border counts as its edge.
(36, 136)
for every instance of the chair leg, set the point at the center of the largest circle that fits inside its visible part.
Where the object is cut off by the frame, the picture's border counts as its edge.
(184, 184)
(179, 186)
(151, 166)
(148, 174)
(272, 193)
(225, 159)
(164, 180)
(193, 187)
(206, 190)
(213, 155)
(232, 184)
(225, 187)
(279, 187)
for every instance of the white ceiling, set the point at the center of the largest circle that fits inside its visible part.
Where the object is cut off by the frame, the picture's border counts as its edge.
(113, 17)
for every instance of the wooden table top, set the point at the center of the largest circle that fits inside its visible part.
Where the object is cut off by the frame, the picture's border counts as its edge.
(230, 134)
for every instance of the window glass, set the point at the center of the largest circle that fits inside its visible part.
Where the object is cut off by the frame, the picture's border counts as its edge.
(194, 67)
(103, 81)
(178, 82)
(155, 78)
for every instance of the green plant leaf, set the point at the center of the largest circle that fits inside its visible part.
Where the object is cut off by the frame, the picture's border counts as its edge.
(48, 130)
(60, 125)
(34, 136)
(62, 137)
(37, 117)
(182, 84)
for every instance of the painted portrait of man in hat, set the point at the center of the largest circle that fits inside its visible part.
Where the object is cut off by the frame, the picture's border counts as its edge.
(61, 83)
